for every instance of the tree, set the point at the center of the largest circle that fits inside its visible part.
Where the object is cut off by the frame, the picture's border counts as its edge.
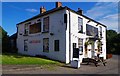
(113, 42)
(5, 40)
(0, 38)
(116, 44)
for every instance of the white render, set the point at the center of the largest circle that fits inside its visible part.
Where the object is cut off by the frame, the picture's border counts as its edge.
(65, 36)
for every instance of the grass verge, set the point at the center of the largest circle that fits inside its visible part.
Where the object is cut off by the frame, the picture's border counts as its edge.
(16, 59)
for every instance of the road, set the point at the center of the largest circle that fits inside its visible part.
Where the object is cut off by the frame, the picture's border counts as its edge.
(110, 68)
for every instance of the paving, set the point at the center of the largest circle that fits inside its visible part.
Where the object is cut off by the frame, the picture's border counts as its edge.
(110, 68)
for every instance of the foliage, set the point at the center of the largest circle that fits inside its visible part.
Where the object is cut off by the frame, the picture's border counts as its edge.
(5, 40)
(14, 59)
(86, 45)
(88, 42)
(113, 42)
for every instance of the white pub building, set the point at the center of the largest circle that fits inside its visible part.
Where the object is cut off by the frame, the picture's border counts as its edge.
(61, 34)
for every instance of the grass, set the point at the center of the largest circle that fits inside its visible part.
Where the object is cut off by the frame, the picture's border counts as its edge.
(16, 59)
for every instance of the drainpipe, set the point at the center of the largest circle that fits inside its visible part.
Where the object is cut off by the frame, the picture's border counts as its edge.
(69, 37)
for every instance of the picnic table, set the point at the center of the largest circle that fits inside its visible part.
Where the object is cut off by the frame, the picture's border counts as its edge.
(94, 60)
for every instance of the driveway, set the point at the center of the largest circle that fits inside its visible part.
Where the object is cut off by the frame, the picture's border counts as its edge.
(110, 68)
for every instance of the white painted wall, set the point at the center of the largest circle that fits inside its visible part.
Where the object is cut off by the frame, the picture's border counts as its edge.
(58, 27)
(75, 35)
(104, 42)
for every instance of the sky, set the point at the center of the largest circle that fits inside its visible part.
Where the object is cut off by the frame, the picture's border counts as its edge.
(16, 12)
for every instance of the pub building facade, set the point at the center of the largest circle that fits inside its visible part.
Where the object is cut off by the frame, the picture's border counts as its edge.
(61, 34)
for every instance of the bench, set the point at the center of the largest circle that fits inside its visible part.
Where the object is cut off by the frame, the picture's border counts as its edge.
(94, 60)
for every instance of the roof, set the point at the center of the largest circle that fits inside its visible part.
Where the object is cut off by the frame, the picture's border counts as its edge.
(57, 9)
(14, 36)
(45, 13)
(86, 17)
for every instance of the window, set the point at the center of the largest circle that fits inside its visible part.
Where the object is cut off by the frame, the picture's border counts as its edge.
(80, 42)
(46, 45)
(26, 45)
(80, 45)
(46, 24)
(56, 45)
(80, 25)
(91, 31)
(26, 28)
(35, 28)
(100, 32)
(65, 18)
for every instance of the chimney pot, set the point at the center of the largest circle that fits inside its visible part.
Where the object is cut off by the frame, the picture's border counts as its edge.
(58, 4)
(80, 11)
(42, 9)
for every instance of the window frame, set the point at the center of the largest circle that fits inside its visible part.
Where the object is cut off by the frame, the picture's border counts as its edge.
(80, 25)
(100, 31)
(39, 30)
(80, 45)
(44, 50)
(56, 45)
(26, 45)
(46, 23)
(90, 30)
(26, 28)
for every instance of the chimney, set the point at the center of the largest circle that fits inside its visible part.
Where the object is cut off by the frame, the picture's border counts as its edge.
(58, 4)
(80, 11)
(42, 9)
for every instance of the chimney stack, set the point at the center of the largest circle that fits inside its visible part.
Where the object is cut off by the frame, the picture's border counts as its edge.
(58, 4)
(42, 9)
(80, 11)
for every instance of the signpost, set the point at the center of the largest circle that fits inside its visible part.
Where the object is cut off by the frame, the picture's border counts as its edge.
(75, 62)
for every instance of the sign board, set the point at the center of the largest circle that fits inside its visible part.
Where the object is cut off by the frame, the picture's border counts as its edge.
(34, 41)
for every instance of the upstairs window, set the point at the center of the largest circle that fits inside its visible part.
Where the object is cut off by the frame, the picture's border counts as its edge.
(91, 31)
(46, 24)
(65, 18)
(100, 32)
(26, 29)
(80, 25)
(35, 28)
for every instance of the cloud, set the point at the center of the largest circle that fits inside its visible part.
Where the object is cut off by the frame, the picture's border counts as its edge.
(31, 10)
(108, 0)
(106, 13)
(111, 21)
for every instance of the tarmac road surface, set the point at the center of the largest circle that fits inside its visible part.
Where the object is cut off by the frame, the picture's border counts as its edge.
(110, 68)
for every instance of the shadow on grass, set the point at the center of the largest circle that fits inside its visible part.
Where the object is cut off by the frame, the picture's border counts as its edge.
(15, 55)
(45, 57)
